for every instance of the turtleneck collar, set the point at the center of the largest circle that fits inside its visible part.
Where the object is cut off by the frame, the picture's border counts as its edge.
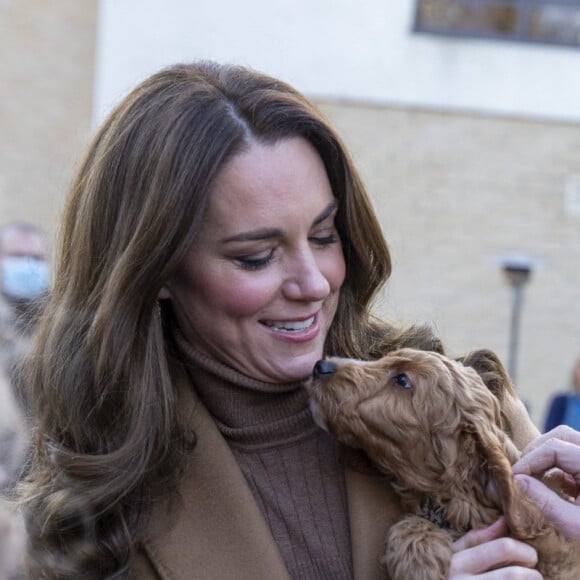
(248, 412)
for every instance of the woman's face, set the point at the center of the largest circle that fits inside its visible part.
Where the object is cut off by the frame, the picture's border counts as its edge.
(260, 286)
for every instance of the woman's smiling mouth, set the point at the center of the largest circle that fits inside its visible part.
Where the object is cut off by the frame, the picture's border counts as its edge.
(290, 325)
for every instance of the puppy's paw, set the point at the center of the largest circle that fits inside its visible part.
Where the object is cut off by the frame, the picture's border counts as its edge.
(416, 548)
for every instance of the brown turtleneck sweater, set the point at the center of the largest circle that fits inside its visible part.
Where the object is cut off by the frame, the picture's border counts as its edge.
(290, 465)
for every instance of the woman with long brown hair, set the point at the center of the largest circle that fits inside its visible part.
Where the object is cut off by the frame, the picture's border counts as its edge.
(216, 242)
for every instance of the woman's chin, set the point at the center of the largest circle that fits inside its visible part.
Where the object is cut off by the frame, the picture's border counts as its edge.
(298, 371)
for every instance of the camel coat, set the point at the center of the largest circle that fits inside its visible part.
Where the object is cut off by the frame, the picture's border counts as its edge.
(212, 529)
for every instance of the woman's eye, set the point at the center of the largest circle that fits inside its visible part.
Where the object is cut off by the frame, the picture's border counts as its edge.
(402, 380)
(331, 238)
(255, 262)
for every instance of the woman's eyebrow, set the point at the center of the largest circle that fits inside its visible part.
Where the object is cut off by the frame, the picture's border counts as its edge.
(332, 207)
(268, 233)
(254, 235)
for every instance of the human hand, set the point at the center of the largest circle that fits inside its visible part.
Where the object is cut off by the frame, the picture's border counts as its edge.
(558, 449)
(488, 554)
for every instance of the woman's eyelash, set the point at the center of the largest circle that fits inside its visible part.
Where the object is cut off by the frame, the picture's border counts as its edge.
(326, 240)
(255, 263)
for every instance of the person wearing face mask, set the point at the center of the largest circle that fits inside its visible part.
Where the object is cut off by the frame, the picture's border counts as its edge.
(24, 279)
(24, 273)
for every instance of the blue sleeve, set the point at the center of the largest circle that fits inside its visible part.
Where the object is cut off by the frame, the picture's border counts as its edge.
(556, 411)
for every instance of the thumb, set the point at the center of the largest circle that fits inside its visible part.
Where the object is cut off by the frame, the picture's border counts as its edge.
(563, 514)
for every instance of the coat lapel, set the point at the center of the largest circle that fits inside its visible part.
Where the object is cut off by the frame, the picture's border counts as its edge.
(213, 528)
(373, 508)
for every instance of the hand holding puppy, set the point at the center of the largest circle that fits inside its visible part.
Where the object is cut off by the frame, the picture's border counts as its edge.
(557, 454)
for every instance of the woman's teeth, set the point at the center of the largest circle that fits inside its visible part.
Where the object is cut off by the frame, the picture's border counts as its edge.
(292, 326)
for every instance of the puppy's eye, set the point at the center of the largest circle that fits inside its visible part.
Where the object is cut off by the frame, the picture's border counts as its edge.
(402, 380)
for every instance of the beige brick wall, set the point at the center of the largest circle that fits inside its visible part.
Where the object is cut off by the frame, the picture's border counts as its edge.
(46, 78)
(454, 193)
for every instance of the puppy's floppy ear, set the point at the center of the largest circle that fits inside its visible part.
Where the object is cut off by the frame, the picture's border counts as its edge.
(483, 420)
(495, 377)
(481, 417)
(498, 467)
(523, 518)
(490, 368)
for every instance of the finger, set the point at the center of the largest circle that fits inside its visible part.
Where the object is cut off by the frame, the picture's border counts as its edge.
(564, 515)
(499, 554)
(562, 432)
(477, 537)
(552, 453)
(560, 482)
(511, 573)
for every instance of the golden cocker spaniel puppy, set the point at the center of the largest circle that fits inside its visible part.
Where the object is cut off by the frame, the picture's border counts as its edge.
(435, 428)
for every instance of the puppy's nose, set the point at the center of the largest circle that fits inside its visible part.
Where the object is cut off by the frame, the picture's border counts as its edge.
(323, 368)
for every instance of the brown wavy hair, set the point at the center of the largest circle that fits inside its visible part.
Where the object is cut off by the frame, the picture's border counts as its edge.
(101, 374)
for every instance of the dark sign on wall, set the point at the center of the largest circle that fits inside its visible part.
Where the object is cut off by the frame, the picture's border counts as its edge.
(543, 21)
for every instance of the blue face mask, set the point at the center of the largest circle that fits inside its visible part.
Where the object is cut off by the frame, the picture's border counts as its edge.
(23, 277)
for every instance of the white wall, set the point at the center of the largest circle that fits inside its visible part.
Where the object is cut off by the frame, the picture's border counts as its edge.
(338, 49)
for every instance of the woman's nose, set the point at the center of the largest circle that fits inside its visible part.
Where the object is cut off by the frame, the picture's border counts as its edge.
(306, 281)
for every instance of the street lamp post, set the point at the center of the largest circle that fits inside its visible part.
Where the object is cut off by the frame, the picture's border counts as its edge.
(517, 273)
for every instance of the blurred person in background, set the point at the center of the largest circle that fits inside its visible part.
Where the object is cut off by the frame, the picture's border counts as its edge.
(24, 278)
(13, 435)
(564, 408)
(24, 272)
(13, 445)
(12, 542)
(23, 282)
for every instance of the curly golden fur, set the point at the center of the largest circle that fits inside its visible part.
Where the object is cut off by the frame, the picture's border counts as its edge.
(434, 426)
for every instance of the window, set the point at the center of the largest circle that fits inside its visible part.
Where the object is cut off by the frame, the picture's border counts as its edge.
(544, 21)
